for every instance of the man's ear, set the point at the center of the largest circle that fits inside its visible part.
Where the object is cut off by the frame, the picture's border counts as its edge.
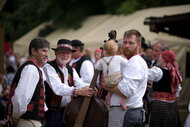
(139, 44)
(33, 51)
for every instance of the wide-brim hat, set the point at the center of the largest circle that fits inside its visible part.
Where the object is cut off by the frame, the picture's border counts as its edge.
(64, 44)
(76, 43)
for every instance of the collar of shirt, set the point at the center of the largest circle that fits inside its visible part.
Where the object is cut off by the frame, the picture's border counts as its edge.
(65, 73)
(74, 61)
(134, 55)
(34, 61)
(78, 58)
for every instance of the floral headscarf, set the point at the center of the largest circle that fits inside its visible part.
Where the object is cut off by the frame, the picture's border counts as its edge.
(169, 57)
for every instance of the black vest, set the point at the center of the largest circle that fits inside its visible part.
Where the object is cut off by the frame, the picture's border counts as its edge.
(78, 64)
(53, 101)
(163, 85)
(35, 109)
(148, 62)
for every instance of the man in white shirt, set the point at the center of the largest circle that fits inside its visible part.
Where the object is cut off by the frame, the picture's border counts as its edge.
(81, 62)
(26, 100)
(63, 83)
(132, 85)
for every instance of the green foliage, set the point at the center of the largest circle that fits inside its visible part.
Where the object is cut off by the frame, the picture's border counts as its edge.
(18, 21)
(45, 31)
(20, 16)
(111, 6)
(128, 7)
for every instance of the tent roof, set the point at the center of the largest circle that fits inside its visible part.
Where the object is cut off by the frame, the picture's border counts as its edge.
(95, 29)
(21, 45)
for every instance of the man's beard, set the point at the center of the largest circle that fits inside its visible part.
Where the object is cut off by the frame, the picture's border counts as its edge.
(128, 53)
(64, 62)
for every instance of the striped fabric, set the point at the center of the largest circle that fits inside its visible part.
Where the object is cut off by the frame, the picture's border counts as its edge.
(164, 114)
(116, 116)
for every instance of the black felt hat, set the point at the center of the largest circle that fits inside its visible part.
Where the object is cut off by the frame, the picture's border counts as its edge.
(64, 44)
(76, 43)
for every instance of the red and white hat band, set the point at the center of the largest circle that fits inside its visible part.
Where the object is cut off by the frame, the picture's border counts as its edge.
(64, 46)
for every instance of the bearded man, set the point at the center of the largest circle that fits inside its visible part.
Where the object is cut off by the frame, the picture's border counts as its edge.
(62, 84)
(132, 85)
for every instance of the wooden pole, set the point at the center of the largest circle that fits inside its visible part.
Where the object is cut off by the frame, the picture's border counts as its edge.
(86, 102)
(1, 48)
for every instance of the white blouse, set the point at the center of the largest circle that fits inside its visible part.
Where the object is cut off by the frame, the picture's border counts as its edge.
(155, 74)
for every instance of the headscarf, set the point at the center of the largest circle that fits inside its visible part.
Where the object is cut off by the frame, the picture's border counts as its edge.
(169, 57)
(98, 50)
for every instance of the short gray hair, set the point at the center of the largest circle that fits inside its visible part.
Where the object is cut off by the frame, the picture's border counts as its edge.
(164, 46)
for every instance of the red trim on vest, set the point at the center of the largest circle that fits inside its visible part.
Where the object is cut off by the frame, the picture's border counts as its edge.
(30, 107)
(34, 61)
(74, 65)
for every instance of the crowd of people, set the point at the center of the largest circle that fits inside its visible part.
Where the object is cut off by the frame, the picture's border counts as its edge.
(139, 83)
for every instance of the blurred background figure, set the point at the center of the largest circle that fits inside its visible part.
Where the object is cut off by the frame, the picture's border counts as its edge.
(143, 49)
(20, 59)
(10, 73)
(120, 47)
(97, 55)
(144, 46)
(88, 52)
(2, 100)
(158, 47)
(81, 62)
(149, 55)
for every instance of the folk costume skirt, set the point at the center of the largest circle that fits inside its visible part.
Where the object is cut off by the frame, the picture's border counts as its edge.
(164, 114)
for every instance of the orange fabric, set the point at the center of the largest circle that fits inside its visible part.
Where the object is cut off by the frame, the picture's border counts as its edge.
(163, 96)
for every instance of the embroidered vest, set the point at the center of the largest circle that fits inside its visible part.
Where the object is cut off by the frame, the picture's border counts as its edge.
(53, 101)
(164, 84)
(162, 89)
(78, 64)
(35, 108)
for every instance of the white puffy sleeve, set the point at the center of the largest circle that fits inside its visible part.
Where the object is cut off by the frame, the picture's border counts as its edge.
(155, 74)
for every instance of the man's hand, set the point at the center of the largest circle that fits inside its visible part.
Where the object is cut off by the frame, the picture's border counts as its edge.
(86, 91)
